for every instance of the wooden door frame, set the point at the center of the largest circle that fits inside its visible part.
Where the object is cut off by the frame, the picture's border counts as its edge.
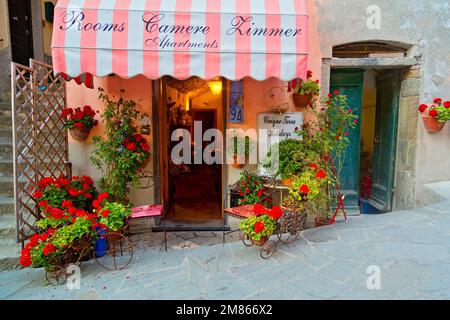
(160, 144)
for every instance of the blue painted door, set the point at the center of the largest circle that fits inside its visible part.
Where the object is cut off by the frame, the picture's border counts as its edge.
(350, 83)
(385, 140)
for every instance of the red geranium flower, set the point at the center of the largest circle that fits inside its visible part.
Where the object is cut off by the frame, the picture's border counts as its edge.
(422, 108)
(304, 189)
(102, 196)
(330, 95)
(49, 249)
(314, 166)
(43, 203)
(73, 192)
(309, 74)
(247, 191)
(433, 113)
(437, 100)
(105, 213)
(259, 209)
(67, 204)
(275, 213)
(260, 192)
(37, 195)
(131, 147)
(321, 174)
(79, 125)
(336, 92)
(96, 204)
(258, 227)
(447, 105)
(88, 196)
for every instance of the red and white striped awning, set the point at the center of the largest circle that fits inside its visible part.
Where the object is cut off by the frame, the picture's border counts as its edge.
(182, 38)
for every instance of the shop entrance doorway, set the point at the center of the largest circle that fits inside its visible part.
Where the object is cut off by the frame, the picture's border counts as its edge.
(194, 186)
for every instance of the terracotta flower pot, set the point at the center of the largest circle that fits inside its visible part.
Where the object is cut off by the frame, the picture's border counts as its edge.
(79, 134)
(302, 101)
(260, 242)
(321, 222)
(432, 124)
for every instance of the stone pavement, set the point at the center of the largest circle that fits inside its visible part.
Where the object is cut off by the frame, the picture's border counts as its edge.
(411, 248)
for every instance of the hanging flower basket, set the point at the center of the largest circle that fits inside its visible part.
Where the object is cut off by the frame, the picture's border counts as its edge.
(302, 101)
(79, 134)
(431, 124)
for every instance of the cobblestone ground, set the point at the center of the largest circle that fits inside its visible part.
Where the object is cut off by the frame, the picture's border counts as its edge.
(411, 248)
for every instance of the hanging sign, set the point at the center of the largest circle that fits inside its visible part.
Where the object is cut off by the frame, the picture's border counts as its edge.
(281, 125)
(237, 102)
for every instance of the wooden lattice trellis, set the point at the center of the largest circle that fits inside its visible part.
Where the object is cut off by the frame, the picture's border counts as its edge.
(39, 138)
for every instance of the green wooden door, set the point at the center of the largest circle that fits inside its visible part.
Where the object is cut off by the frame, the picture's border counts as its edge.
(350, 83)
(385, 140)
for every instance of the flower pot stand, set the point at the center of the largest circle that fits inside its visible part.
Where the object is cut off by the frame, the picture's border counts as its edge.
(267, 247)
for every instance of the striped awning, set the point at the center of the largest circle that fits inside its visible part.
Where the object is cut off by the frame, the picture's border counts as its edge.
(181, 38)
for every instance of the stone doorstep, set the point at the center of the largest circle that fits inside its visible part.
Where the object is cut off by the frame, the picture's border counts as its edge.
(7, 226)
(6, 206)
(6, 168)
(9, 254)
(6, 186)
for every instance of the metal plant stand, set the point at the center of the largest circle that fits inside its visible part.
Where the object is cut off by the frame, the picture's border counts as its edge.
(117, 256)
(288, 231)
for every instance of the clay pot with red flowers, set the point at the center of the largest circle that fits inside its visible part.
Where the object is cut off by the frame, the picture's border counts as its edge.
(304, 92)
(79, 121)
(435, 116)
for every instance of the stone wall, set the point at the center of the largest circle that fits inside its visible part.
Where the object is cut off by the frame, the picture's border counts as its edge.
(421, 26)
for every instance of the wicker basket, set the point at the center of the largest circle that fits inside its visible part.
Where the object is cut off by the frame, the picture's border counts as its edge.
(294, 219)
(79, 134)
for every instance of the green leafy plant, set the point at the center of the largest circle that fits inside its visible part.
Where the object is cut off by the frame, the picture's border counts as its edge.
(252, 189)
(113, 215)
(123, 153)
(308, 87)
(438, 110)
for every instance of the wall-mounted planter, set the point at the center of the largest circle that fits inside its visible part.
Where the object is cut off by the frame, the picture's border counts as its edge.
(79, 134)
(431, 124)
(302, 101)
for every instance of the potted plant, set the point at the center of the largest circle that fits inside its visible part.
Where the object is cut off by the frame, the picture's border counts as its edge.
(259, 227)
(305, 91)
(307, 190)
(112, 216)
(252, 189)
(293, 156)
(63, 193)
(435, 116)
(123, 153)
(79, 121)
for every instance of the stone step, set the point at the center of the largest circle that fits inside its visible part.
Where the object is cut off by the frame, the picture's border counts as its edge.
(7, 226)
(6, 168)
(5, 106)
(9, 254)
(6, 150)
(7, 186)
(6, 134)
(6, 206)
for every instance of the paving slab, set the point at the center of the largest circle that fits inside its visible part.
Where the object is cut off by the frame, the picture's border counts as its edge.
(410, 248)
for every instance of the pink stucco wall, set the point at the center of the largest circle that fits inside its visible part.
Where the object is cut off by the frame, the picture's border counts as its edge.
(138, 89)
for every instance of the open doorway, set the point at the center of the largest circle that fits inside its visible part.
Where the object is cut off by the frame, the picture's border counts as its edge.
(194, 106)
(369, 171)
